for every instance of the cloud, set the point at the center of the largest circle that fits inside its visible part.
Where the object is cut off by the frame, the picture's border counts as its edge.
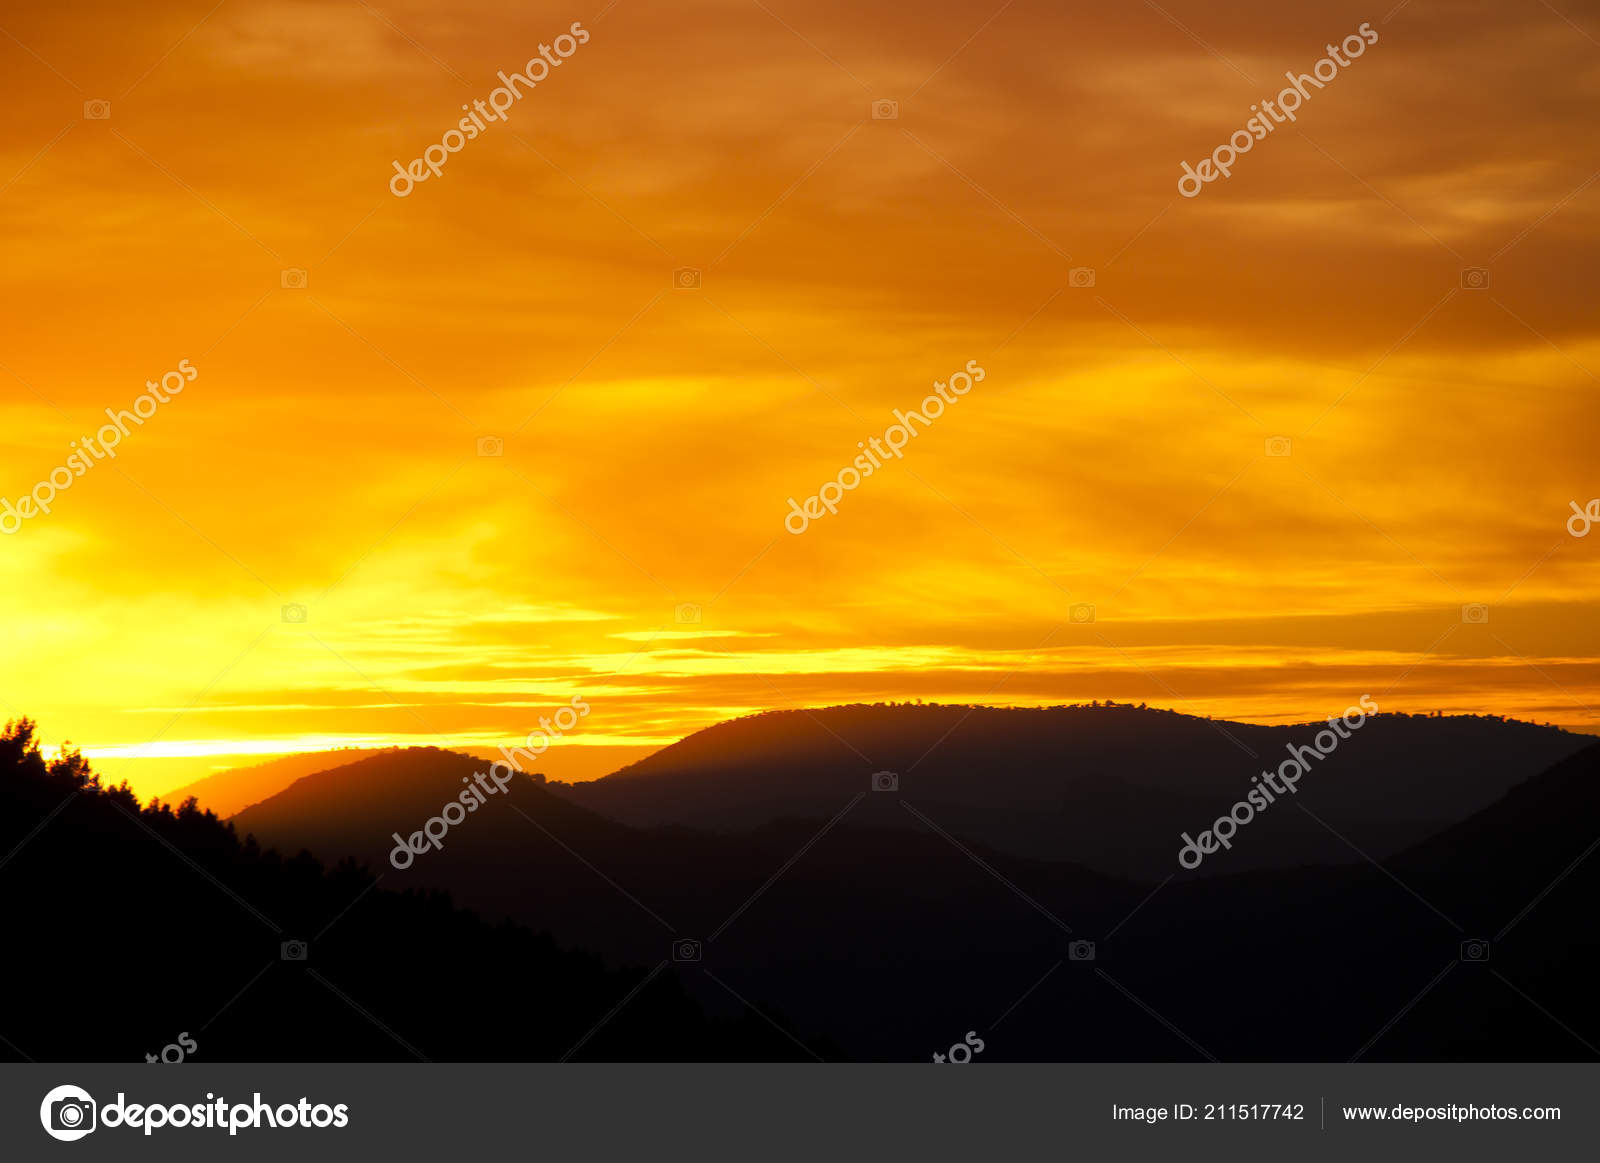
(328, 455)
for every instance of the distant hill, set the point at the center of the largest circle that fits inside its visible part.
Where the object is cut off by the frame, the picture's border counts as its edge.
(573, 762)
(1477, 944)
(230, 792)
(881, 929)
(1528, 837)
(860, 897)
(890, 942)
(353, 809)
(1109, 786)
(533, 856)
(233, 790)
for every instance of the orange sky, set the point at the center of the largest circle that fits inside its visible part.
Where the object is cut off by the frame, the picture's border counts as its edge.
(1114, 454)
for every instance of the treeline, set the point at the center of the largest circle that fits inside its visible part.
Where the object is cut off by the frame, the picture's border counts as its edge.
(130, 923)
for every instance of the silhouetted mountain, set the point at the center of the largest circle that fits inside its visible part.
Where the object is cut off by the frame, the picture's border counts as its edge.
(134, 925)
(229, 792)
(1108, 786)
(529, 854)
(866, 942)
(573, 762)
(1528, 838)
(893, 943)
(1477, 944)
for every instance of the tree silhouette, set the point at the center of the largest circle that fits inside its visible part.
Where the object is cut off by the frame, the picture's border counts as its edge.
(133, 923)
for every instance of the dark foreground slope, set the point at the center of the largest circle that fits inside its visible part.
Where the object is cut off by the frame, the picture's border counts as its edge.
(128, 926)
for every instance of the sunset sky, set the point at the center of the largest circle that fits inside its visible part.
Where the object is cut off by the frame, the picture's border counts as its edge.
(1115, 454)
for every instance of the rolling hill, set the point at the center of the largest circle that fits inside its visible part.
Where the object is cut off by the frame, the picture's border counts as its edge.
(231, 791)
(888, 938)
(1108, 786)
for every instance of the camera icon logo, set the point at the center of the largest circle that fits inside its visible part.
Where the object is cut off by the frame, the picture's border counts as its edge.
(1279, 446)
(885, 110)
(294, 612)
(686, 613)
(293, 279)
(1081, 277)
(1475, 279)
(885, 781)
(491, 446)
(97, 110)
(685, 949)
(686, 279)
(1474, 950)
(68, 1113)
(1081, 612)
(1475, 614)
(1080, 951)
(294, 951)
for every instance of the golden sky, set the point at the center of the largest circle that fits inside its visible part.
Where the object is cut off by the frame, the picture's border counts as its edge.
(1115, 454)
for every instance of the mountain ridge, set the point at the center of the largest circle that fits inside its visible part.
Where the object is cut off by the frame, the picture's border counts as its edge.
(1111, 784)
(859, 932)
